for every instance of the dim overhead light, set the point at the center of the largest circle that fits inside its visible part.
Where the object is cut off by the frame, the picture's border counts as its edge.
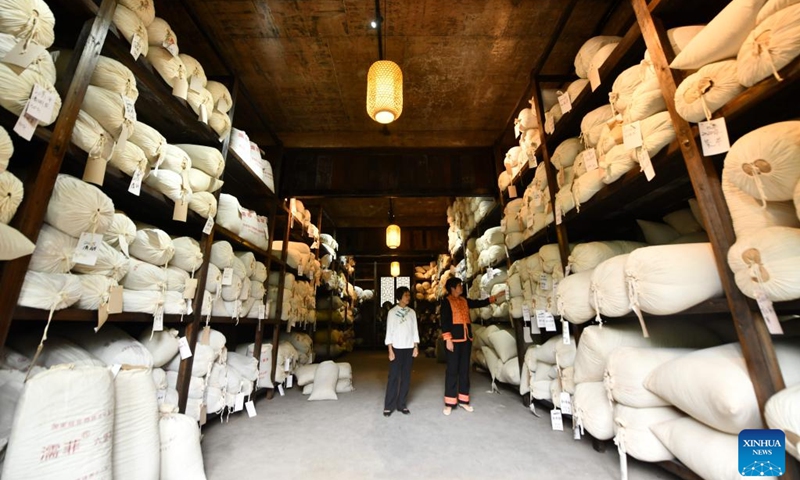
(395, 269)
(373, 24)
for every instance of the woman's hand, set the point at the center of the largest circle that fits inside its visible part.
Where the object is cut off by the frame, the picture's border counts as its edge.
(500, 295)
(449, 345)
(416, 352)
(391, 355)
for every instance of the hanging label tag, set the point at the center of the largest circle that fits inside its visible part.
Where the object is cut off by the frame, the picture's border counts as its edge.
(239, 404)
(289, 381)
(594, 78)
(135, 186)
(26, 125)
(645, 163)
(556, 421)
(180, 88)
(170, 45)
(181, 210)
(714, 137)
(209, 225)
(565, 103)
(262, 311)
(251, 409)
(41, 104)
(532, 159)
(102, 316)
(537, 198)
(115, 299)
(130, 108)
(549, 123)
(124, 133)
(565, 332)
(206, 309)
(300, 270)
(768, 312)
(512, 191)
(544, 282)
(95, 171)
(632, 135)
(540, 318)
(86, 251)
(566, 403)
(195, 83)
(287, 365)
(549, 322)
(558, 216)
(590, 159)
(21, 56)
(203, 415)
(190, 288)
(203, 113)
(205, 337)
(158, 319)
(526, 313)
(123, 245)
(185, 351)
(516, 130)
(115, 369)
(136, 46)
(280, 389)
(227, 276)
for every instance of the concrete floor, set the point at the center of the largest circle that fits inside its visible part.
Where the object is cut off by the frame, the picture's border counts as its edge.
(351, 439)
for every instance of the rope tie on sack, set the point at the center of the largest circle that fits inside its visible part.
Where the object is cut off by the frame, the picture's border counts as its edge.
(94, 219)
(61, 297)
(755, 272)
(31, 28)
(754, 171)
(608, 382)
(619, 441)
(575, 198)
(633, 296)
(596, 304)
(761, 46)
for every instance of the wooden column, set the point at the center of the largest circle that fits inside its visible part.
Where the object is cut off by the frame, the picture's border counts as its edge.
(39, 186)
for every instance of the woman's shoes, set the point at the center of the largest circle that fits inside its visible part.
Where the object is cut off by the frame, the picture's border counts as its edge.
(405, 411)
(386, 413)
(447, 410)
(466, 407)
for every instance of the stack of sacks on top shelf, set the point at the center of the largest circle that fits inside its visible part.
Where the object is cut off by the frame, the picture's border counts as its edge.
(491, 246)
(30, 22)
(680, 226)
(761, 180)
(243, 222)
(592, 409)
(536, 211)
(573, 90)
(75, 208)
(713, 387)
(299, 257)
(462, 217)
(329, 248)
(251, 155)
(338, 340)
(426, 280)
(498, 353)
(13, 244)
(529, 139)
(331, 378)
(549, 369)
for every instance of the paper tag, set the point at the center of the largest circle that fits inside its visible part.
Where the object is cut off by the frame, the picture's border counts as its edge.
(170, 45)
(86, 251)
(262, 311)
(190, 288)
(239, 405)
(556, 421)
(135, 186)
(227, 276)
(251, 409)
(516, 130)
(537, 198)
(185, 351)
(124, 133)
(512, 191)
(558, 216)
(300, 270)
(181, 210)
(287, 365)
(645, 164)
(102, 316)
(526, 334)
(532, 159)
(590, 159)
(540, 318)
(203, 414)
(714, 137)
(576, 433)
(195, 84)
(565, 103)
(115, 299)
(768, 312)
(565, 332)
(136, 46)
(544, 282)
(549, 322)
(180, 88)
(594, 78)
(289, 381)
(549, 123)
(41, 104)
(209, 226)
(123, 245)
(115, 369)
(566, 403)
(130, 108)
(94, 171)
(22, 57)
(280, 389)
(203, 113)
(632, 135)
(526, 313)
(205, 310)
(26, 125)
(205, 337)
(158, 319)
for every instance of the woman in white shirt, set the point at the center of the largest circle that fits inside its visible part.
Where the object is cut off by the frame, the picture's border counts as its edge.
(402, 339)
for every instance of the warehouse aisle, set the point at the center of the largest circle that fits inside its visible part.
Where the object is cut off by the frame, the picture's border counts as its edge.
(351, 439)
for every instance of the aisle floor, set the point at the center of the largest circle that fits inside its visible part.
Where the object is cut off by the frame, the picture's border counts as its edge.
(292, 438)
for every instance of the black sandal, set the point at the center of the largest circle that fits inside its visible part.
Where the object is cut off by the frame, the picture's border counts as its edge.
(405, 411)
(386, 413)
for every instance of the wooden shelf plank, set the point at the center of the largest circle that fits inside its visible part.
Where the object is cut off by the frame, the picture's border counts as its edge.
(77, 315)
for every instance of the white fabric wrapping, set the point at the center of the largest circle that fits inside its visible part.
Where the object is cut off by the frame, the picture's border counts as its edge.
(144, 276)
(108, 109)
(504, 344)
(28, 20)
(90, 136)
(259, 273)
(176, 160)
(136, 451)
(129, 24)
(110, 262)
(172, 184)
(76, 207)
(213, 278)
(616, 163)
(767, 259)
(645, 101)
(221, 95)
(143, 9)
(200, 181)
(159, 33)
(203, 360)
(593, 122)
(153, 246)
(593, 411)
(586, 256)
(602, 55)
(325, 379)
(6, 149)
(17, 87)
(168, 67)
(111, 345)
(193, 68)
(222, 254)
(228, 213)
(54, 250)
(707, 90)
(657, 133)
(573, 295)
(201, 98)
(163, 346)
(628, 368)
(149, 140)
(48, 291)
(608, 290)
(624, 86)
(54, 397)
(204, 204)
(632, 432)
(783, 412)
(207, 159)
(57, 351)
(188, 255)
(13, 244)
(181, 455)
(221, 123)
(750, 214)
(176, 279)
(129, 158)
(586, 186)
(121, 226)
(114, 76)
(41, 69)
(587, 52)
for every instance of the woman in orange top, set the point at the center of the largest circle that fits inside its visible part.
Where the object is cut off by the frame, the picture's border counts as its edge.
(457, 334)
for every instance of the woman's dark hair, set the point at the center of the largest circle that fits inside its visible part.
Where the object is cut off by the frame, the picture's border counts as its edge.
(398, 294)
(452, 283)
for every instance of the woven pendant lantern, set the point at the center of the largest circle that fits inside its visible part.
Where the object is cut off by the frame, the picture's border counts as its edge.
(393, 236)
(395, 269)
(384, 91)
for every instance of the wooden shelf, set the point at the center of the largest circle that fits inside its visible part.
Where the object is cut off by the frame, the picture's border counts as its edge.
(8, 120)
(532, 245)
(78, 315)
(242, 182)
